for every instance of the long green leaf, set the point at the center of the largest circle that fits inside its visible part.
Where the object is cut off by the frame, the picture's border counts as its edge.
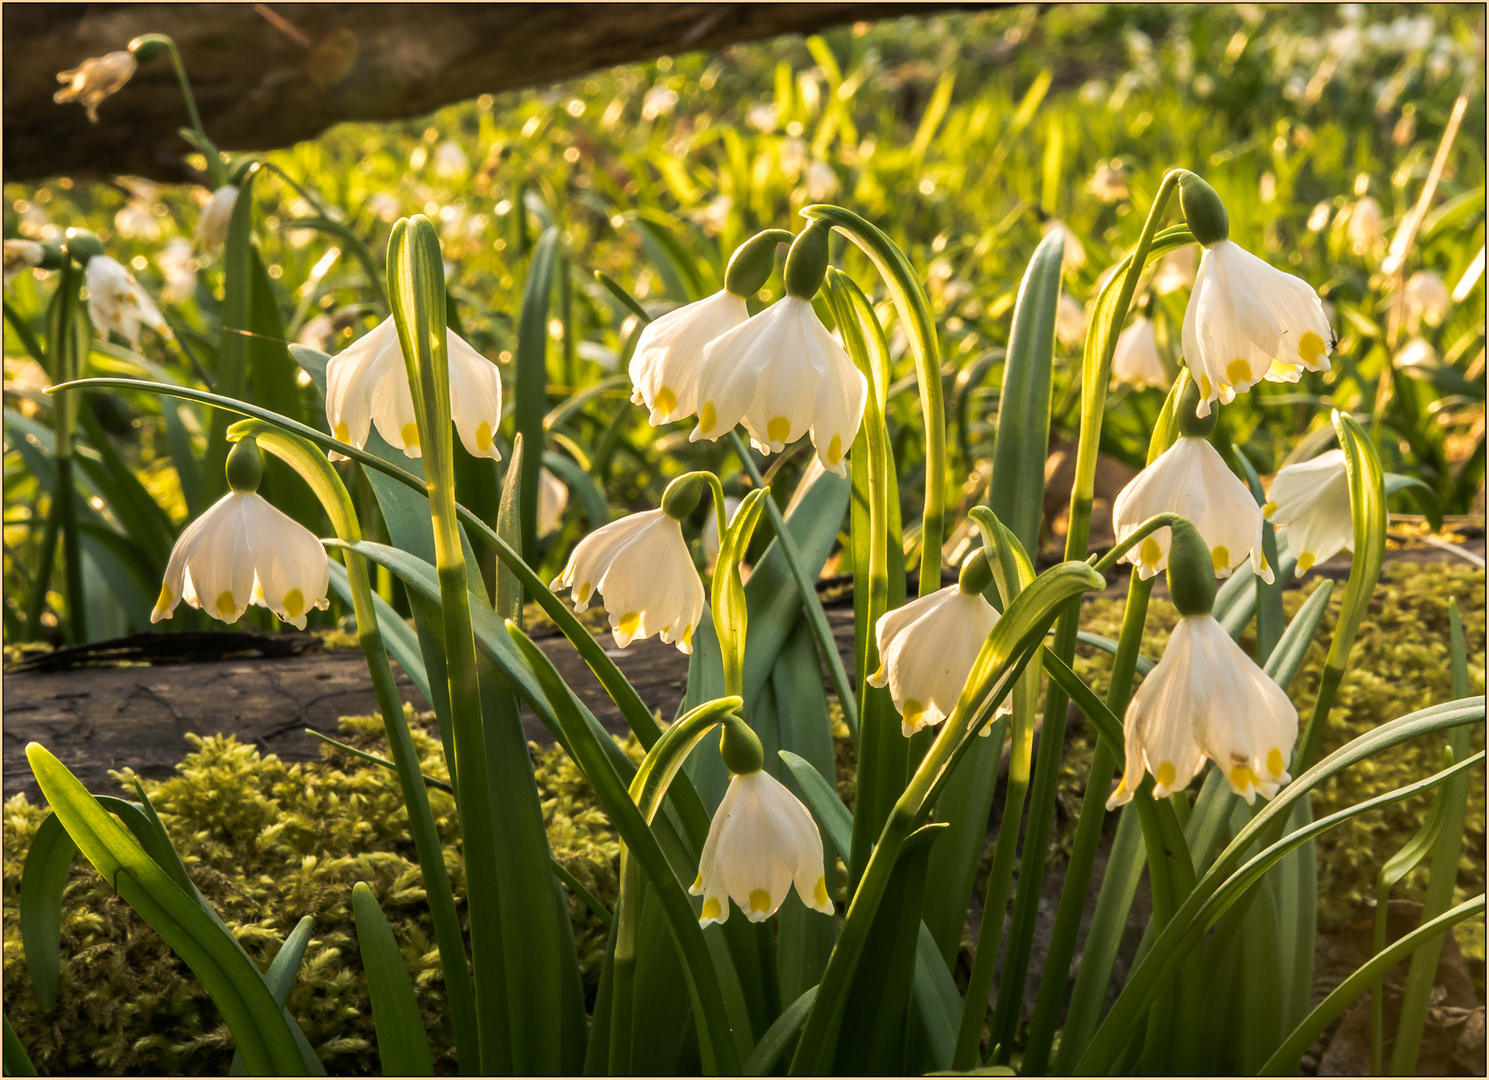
(779, 1037)
(17, 1061)
(402, 1041)
(532, 380)
(43, 877)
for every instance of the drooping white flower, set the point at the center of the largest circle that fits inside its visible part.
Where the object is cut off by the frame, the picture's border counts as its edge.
(1135, 360)
(175, 262)
(1109, 182)
(450, 160)
(1427, 299)
(367, 384)
(1207, 699)
(1247, 321)
(760, 843)
(1070, 321)
(1176, 270)
(1190, 478)
(136, 220)
(22, 255)
(553, 497)
(117, 302)
(211, 230)
(926, 651)
(95, 79)
(241, 551)
(641, 566)
(1309, 503)
(664, 368)
(1367, 227)
(781, 374)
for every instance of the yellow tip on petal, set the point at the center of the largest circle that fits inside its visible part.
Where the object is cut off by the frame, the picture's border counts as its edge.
(759, 901)
(1166, 774)
(707, 417)
(698, 882)
(912, 713)
(1221, 558)
(411, 435)
(165, 598)
(1241, 777)
(226, 605)
(1305, 560)
(294, 603)
(483, 436)
(1150, 552)
(584, 592)
(1310, 347)
(342, 432)
(687, 635)
(1268, 509)
(1238, 371)
(628, 623)
(778, 429)
(712, 908)
(1205, 386)
(1275, 764)
(819, 892)
(835, 450)
(666, 401)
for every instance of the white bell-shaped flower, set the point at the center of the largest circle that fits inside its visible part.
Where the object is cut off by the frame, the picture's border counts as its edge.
(1247, 321)
(1309, 503)
(95, 79)
(761, 841)
(21, 255)
(1070, 321)
(664, 367)
(1427, 299)
(553, 497)
(926, 651)
(1191, 479)
(368, 384)
(1207, 699)
(1366, 230)
(242, 551)
(1135, 360)
(642, 568)
(782, 374)
(116, 302)
(211, 230)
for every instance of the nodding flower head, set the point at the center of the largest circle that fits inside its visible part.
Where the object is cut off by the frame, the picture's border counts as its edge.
(95, 79)
(1309, 504)
(116, 302)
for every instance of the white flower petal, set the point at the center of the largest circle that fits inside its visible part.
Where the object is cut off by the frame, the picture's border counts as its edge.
(475, 397)
(927, 649)
(665, 367)
(1309, 503)
(291, 567)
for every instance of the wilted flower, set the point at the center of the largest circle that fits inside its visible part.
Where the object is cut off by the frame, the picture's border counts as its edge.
(242, 551)
(1309, 502)
(927, 648)
(95, 79)
(640, 565)
(1207, 698)
(367, 384)
(211, 230)
(553, 497)
(1427, 299)
(175, 262)
(1190, 478)
(117, 302)
(781, 374)
(1135, 359)
(1367, 227)
(669, 353)
(1247, 321)
(1109, 182)
(761, 841)
(1176, 270)
(22, 255)
(1070, 321)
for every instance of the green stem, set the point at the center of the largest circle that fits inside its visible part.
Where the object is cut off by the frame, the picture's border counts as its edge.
(36, 602)
(811, 604)
(63, 340)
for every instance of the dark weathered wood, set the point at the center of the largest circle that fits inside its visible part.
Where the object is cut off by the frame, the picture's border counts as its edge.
(271, 75)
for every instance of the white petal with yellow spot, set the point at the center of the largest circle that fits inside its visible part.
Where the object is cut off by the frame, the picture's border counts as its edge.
(1248, 321)
(642, 568)
(664, 368)
(1207, 699)
(241, 551)
(1309, 503)
(762, 841)
(117, 303)
(1191, 479)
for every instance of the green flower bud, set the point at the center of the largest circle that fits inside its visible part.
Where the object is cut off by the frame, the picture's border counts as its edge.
(682, 495)
(1191, 424)
(245, 466)
(240, 168)
(1203, 210)
(147, 47)
(740, 747)
(54, 256)
(976, 574)
(806, 264)
(752, 262)
(82, 245)
(1191, 571)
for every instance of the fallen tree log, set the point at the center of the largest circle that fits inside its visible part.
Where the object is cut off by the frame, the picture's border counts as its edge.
(269, 75)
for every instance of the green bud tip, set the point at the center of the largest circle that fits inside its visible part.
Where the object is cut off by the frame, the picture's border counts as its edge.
(1191, 424)
(1191, 571)
(740, 747)
(245, 466)
(1203, 210)
(82, 245)
(53, 257)
(682, 495)
(976, 573)
(806, 264)
(147, 47)
(239, 169)
(752, 262)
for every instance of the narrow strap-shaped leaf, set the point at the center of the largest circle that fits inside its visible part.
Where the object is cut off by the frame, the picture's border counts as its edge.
(17, 1061)
(1292, 648)
(43, 877)
(779, 1036)
(402, 1041)
(280, 978)
(402, 642)
(532, 380)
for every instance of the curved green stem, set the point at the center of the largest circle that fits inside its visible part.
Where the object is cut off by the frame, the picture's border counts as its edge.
(214, 167)
(1108, 562)
(905, 289)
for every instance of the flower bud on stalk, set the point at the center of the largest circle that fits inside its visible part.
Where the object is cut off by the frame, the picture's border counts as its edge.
(806, 264)
(683, 495)
(1203, 210)
(1191, 572)
(245, 466)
